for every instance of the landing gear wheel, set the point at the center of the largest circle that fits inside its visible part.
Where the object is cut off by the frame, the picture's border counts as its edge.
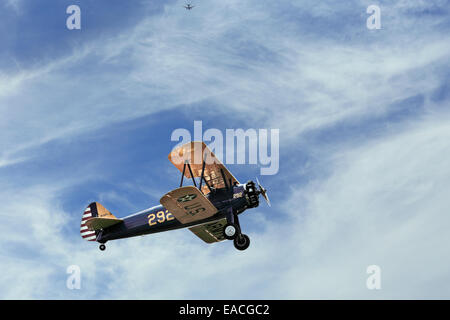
(230, 231)
(241, 242)
(102, 247)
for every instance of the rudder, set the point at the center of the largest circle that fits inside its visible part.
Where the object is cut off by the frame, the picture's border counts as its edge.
(94, 210)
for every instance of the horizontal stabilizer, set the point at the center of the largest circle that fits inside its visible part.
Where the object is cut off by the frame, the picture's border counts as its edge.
(101, 223)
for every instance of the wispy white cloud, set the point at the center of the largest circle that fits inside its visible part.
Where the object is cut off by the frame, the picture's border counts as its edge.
(384, 204)
(186, 58)
(382, 201)
(14, 4)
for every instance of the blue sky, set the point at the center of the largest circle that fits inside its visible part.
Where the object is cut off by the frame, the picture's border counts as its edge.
(363, 115)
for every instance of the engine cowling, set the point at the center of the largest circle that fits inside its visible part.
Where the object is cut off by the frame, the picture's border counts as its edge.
(252, 194)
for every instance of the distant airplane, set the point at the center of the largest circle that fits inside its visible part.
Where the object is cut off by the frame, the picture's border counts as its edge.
(188, 6)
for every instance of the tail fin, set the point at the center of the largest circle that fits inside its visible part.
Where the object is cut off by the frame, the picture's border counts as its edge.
(94, 210)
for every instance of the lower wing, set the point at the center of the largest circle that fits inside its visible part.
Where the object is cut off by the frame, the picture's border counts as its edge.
(210, 232)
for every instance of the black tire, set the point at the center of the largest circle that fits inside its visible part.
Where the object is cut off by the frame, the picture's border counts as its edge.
(226, 230)
(102, 247)
(242, 242)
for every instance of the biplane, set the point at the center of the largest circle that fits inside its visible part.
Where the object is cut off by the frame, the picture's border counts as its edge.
(209, 208)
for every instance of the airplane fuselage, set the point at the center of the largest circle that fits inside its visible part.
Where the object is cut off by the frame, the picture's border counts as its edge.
(159, 219)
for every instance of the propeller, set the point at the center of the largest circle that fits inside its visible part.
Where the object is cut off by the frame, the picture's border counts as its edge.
(263, 192)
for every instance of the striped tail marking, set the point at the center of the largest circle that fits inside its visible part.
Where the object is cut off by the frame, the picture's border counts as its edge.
(87, 234)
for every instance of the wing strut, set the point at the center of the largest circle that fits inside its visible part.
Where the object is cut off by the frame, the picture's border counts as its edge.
(182, 175)
(192, 175)
(224, 179)
(202, 177)
(203, 172)
(190, 171)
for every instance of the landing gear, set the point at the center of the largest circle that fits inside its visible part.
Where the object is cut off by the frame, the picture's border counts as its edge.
(102, 247)
(241, 242)
(232, 231)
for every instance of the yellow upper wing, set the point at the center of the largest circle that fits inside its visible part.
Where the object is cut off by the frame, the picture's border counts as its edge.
(194, 153)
